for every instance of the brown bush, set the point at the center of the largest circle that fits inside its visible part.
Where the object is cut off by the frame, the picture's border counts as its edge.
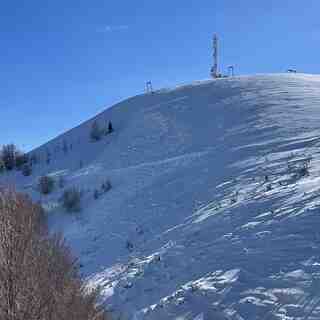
(39, 276)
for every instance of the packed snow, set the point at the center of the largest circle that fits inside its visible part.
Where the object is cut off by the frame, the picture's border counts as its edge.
(214, 206)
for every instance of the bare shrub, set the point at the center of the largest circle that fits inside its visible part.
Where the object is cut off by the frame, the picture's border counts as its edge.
(71, 200)
(64, 147)
(39, 276)
(106, 186)
(8, 155)
(61, 182)
(26, 170)
(34, 159)
(21, 159)
(46, 184)
(303, 171)
(2, 166)
(96, 194)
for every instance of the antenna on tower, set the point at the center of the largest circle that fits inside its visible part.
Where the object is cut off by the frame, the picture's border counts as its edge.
(214, 69)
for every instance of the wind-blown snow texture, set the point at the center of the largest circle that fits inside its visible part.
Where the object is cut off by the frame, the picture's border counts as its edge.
(210, 188)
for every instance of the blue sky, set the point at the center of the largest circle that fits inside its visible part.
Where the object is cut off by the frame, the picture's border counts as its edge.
(62, 62)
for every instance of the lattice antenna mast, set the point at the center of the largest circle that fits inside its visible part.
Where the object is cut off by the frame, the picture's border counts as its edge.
(214, 70)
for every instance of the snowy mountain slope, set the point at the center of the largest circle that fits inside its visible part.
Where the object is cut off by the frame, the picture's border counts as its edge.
(216, 187)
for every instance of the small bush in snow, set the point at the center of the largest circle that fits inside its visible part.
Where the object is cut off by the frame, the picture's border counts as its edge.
(64, 147)
(129, 245)
(71, 200)
(61, 182)
(48, 157)
(303, 171)
(46, 184)
(106, 186)
(26, 170)
(33, 159)
(8, 156)
(21, 160)
(233, 200)
(96, 194)
(2, 166)
(139, 230)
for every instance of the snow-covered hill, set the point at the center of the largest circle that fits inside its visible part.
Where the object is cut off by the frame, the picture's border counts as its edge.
(214, 209)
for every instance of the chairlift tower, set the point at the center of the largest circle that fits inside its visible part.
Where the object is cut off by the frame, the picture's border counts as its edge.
(149, 88)
(231, 71)
(214, 69)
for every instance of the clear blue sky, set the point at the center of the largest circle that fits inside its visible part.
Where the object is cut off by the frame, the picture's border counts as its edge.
(62, 61)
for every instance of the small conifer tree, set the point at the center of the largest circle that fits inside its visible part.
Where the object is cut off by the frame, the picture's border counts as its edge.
(110, 127)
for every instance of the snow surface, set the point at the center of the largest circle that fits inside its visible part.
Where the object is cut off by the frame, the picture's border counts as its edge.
(209, 187)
